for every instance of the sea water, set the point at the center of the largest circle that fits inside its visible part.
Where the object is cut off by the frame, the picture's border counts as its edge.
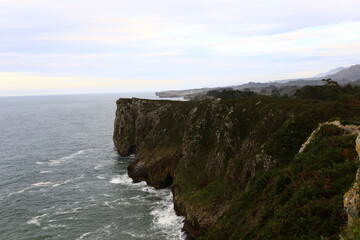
(61, 178)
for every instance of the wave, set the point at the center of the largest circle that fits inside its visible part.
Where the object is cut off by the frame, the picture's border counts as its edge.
(42, 184)
(98, 166)
(68, 181)
(134, 234)
(123, 179)
(99, 232)
(165, 219)
(36, 220)
(34, 185)
(39, 184)
(54, 226)
(62, 212)
(56, 162)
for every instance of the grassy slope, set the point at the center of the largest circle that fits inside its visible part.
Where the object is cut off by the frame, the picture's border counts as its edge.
(301, 200)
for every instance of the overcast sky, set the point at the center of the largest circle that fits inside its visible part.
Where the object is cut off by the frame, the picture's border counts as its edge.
(79, 46)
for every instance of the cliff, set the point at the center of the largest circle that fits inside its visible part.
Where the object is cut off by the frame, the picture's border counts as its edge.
(235, 168)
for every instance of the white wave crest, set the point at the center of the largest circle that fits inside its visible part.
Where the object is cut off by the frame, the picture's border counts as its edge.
(36, 220)
(62, 212)
(97, 167)
(99, 233)
(56, 162)
(68, 181)
(134, 234)
(123, 179)
(165, 219)
(39, 184)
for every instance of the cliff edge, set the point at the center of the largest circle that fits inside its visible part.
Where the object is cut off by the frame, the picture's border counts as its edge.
(235, 168)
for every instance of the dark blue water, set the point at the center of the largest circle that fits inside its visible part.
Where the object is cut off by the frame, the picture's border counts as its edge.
(60, 177)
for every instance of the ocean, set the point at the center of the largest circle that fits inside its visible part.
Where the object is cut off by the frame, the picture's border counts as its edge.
(61, 178)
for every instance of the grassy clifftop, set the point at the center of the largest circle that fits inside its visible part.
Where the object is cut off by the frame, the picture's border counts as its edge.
(234, 165)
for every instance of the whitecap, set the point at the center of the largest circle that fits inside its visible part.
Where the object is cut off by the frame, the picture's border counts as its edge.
(40, 163)
(20, 191)
(62, 212)
(150, 190)
(45, 172)
(68, 181)
(165, 219)
(105, 229)
(97, 167)
(56, 162)
(57, 225)
(92, 199)
(135, 235)
(41, 184)
(100, 177)
(36, 220)
(123, 179)
(106, 203)
(84, 235)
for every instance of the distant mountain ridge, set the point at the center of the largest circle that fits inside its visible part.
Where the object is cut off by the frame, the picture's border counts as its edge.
(350, 74)
(342, 75)
(332, 71)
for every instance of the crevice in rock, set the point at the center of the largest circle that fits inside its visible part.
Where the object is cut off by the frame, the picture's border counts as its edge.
(167, 182)
(132, 149)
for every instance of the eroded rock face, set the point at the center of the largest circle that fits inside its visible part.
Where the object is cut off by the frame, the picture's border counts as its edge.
(207, 135)
(199, 148)
(136, 123)
(352, 197)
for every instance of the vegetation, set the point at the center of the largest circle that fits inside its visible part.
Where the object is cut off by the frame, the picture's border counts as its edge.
(331, 90)
(302, 200)
(241, 168)
(226, 94)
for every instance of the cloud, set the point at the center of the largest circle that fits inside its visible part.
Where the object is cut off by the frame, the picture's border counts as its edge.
(87, 43)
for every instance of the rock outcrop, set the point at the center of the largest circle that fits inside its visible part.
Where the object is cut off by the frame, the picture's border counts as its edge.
(352, 197)
(228, 161)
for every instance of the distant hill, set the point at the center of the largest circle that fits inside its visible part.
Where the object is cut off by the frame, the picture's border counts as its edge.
(342, 75)
(332, 71)
(350, 74)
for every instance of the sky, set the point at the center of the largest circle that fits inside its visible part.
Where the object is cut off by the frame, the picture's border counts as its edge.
(88, 46)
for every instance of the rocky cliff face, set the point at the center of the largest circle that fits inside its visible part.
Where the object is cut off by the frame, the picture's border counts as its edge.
(229, 163)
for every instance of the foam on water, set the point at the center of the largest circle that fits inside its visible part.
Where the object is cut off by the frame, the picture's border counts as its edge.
(56, 162)
(62, 212)
(98, 166)
(39, 184)
(135, 235)
(165, 219)
(99, 233)
(122, 179)
(54, 226)
(36, 220)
